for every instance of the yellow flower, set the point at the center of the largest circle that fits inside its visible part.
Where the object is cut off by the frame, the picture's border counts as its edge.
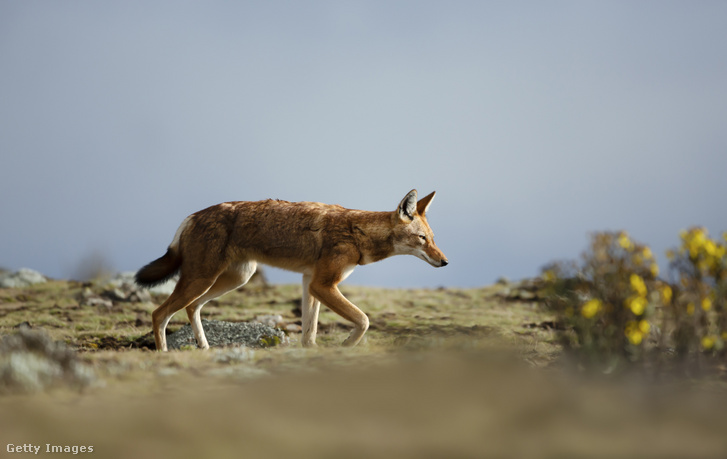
(699, 236)
(710, 247)
(591, 307)
(723, 335)
(647, 253)
(637, 284)
(635, 336)
(666, 294)
(624, 241)
(637, 304)
(654, 268)
(697, 240)
(690, 309)
(636, 331)
(707, 343)
(706, 304)
(644, 327)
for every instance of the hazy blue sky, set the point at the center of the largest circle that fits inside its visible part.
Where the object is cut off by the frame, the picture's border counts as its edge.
(536, 122)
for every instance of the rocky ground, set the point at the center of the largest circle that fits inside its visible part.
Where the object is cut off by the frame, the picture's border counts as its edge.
(92, 319)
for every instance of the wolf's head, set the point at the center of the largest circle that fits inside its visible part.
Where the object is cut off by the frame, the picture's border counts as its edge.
(412, 234)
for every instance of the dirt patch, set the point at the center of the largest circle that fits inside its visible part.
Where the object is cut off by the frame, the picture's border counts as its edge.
(546, 325)
(432, 335)
(115, 343)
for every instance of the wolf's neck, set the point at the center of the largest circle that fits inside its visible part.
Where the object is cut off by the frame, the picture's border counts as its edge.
(373, 234)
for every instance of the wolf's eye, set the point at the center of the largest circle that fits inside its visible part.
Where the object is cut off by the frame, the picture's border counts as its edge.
(423, 237)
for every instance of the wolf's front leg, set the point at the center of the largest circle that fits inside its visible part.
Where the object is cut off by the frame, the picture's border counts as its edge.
(334, 299)
(357, 334)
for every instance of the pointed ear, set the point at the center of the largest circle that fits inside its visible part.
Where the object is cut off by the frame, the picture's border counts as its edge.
(408, 206)
(423, 204)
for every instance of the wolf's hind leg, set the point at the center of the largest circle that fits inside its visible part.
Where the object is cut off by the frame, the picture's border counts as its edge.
(184, 294)
(233, 277)
(310, 306)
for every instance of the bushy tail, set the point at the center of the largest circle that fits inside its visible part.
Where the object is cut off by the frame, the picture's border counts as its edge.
(160, 270)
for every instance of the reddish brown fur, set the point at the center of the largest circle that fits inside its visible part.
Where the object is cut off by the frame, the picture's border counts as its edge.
(219, 247)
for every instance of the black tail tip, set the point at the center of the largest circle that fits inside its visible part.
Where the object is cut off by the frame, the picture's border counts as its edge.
(150, 282)
(158, 271)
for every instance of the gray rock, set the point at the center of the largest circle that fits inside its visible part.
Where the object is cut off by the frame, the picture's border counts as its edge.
(271, 320)
(31, 362)
(220, 333)
(293, 328)
(528, 290)
(127, 293)
(21, 278)
(118, 293)
(110, 296)
(127, 279)
(98, 302)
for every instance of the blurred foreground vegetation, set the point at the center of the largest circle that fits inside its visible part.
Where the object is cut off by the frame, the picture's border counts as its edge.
(619, 315)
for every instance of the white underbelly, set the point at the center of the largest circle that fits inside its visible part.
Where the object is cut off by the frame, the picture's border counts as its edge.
(302, 269)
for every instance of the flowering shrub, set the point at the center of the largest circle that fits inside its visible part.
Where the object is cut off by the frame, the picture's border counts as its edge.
(699, 268)
(607, 301)
(615, 309)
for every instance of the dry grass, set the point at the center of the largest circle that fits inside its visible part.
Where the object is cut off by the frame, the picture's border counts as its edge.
(399, 318)
(443, 373)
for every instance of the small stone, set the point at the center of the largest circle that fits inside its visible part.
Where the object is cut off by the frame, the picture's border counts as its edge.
(127, 279)
(141, 296)
(23, 277)
(117, 294)
(99, 302)
(271, 320)
(293, 328)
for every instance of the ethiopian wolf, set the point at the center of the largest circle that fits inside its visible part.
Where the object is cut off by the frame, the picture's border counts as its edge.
(217, 250)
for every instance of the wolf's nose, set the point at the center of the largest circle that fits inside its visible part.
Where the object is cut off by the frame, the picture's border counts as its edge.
(444, 263)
